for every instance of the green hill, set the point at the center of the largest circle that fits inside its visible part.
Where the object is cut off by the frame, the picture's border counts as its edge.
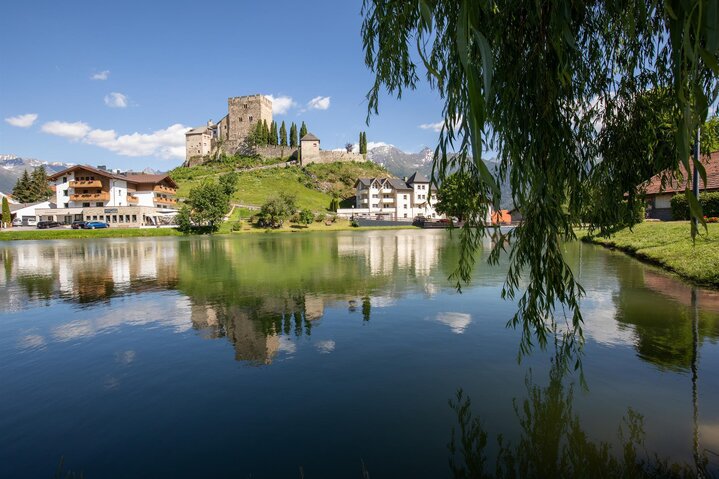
(314, 185)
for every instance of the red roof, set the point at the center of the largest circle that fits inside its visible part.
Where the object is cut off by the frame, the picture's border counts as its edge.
(129, 177)
(711, 164)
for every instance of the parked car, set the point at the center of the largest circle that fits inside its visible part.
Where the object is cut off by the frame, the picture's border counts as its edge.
(47, 224)
(76, 225)
(91, 225)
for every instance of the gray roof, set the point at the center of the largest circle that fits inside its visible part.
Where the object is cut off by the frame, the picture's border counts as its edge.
(398, 184)
(417, 178)
(364, 181)
(309, 137)
(19, 206)
(198, 130)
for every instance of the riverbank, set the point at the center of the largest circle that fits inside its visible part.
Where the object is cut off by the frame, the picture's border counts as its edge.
(669, 245)
(225, 229)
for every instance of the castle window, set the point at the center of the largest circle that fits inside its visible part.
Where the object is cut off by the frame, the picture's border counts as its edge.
(250, 118)
(245, 106)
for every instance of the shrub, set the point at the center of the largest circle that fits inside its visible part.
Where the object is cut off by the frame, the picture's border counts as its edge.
(680, 207)
(320, 218)
(708, 201)
(237, 226)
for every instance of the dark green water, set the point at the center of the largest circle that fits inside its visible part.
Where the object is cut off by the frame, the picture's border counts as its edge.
(260, 355)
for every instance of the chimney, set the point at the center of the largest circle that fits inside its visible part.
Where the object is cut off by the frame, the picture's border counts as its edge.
(102, 167)
(209, 122)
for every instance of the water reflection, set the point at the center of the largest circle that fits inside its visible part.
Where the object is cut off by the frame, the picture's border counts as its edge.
(553, 441)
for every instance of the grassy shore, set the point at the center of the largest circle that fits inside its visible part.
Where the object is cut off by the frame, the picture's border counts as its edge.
(670, 246)
(102, 233)
(226, 228)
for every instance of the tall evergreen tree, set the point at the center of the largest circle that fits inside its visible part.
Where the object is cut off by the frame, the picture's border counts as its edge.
(39, 189)
(6, 219)
(273, 134)
(293, 135)
(303, 130)
(265, 133)
(283, 134)
(269, 139)
(21, 189)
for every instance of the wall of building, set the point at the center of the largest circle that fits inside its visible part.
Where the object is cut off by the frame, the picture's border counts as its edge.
(116, 217)
(243, 113)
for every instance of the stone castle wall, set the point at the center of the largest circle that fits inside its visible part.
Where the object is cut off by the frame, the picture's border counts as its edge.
(334, 156)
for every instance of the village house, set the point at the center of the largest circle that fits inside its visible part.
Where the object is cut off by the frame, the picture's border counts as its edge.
(393, 199)
(658, 198)
(85, 193)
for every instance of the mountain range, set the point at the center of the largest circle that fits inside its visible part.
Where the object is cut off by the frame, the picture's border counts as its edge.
(12, 167)
(403, 164)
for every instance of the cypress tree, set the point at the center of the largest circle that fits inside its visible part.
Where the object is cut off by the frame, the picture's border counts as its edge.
(270, 139)
(303, 130)
(273, 134)
(6, 219)
(283, 134)
(293, 135)
(265, 133)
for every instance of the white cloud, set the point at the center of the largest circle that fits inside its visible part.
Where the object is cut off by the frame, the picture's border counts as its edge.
(319, 103)
(22, 121)
(168, 143)
(457, 322)
(73, 131)
(281, 104)
(116, 100)
(100, 75)
(326, 346)
(432, 126)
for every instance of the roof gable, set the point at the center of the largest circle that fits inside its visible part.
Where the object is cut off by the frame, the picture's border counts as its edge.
(711, 163)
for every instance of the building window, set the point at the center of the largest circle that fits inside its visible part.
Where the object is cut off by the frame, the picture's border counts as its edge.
(250, 119)
(405, 215)
(127, 218)
(114, 218)
(67, 205)
(64, 179)
(98, 204)
(405, 197)
(86, 205)
(134, 218)
(64, 192)
(94, 217)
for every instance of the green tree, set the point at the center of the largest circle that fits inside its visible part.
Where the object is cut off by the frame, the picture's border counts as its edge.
(228, 183)
(273, 134)
(306, 216)
(6, 217)
(458, 196)
(278, 208)
(208, 203)
(303, 130)
(535, 82)
(21, 190)
(39, 189)
(265, 133)
(293, 136)
(283, 134)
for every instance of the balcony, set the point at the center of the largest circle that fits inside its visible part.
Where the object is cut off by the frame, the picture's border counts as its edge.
(101, 196)
(164, 189)
(86, 184)
(132, 199)
(165, 201)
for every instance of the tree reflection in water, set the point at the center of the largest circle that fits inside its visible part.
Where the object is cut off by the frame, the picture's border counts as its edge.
(553, 442)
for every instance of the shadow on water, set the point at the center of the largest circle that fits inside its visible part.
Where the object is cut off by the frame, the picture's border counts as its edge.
(553, 442)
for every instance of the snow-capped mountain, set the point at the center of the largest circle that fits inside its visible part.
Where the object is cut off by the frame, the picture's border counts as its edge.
(12, 167)
(400, 162)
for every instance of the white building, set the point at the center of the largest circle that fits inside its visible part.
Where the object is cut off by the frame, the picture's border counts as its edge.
(84, 193)
(25, 214)
(393, 199)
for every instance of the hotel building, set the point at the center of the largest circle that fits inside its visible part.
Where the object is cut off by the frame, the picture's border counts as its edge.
(84, 193)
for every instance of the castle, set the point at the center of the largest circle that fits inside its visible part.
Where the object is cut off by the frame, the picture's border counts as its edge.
(231, 134)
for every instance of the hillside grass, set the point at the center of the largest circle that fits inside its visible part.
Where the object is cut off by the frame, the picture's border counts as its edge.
(313, 186)
(669, 245)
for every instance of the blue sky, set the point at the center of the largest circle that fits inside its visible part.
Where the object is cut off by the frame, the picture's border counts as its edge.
(159, 67)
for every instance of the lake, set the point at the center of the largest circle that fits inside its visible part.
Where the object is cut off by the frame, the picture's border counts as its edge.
(337, 355)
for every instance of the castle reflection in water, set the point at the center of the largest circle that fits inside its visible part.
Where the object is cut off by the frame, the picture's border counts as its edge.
(240, 289)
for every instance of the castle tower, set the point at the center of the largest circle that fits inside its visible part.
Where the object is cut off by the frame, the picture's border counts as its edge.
(243, 113)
